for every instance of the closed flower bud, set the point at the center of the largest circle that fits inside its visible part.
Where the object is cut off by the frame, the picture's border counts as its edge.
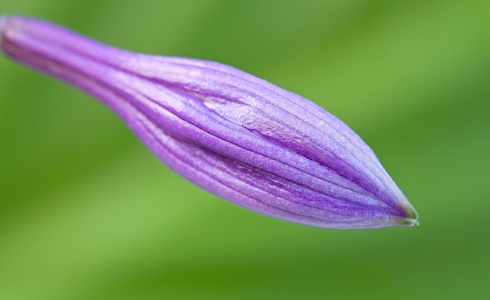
(233, 134)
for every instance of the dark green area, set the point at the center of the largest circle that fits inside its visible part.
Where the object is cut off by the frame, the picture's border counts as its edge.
(86, 212)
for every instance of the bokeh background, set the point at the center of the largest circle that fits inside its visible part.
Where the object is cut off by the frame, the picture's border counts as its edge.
(86, 212)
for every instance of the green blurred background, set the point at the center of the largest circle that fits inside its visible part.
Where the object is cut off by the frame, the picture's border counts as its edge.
(86, 212)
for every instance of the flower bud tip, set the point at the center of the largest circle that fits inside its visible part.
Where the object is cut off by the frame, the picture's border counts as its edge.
(411, 223)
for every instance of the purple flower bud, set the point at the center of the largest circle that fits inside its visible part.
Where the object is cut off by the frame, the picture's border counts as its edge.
(233, 134)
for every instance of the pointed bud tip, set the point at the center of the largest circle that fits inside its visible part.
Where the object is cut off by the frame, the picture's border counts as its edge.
(411, 216)
(409, 222)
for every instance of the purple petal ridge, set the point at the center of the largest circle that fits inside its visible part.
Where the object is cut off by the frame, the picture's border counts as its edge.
(235, 135)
